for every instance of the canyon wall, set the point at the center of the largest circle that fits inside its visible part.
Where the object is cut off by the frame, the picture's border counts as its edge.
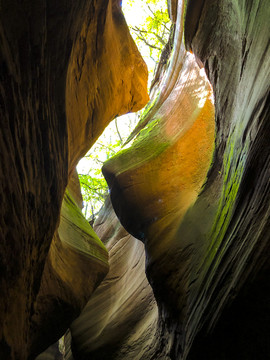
(197, 195)
(67, 69)
(187, 269)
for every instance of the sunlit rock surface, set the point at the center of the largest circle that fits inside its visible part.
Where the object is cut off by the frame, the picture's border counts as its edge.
(207, 247)
(156, 180)
(106, 77)
(122, 314)
(66, 70)
(193, 187)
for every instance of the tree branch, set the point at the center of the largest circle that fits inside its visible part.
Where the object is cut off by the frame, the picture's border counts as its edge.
(159, 38)
(141, 32)
(106, 147)
(152, 12)
(120, 138)
(148, 44)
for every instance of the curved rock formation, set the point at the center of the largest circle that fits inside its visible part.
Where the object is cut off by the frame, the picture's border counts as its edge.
(60, 87)
(204, 219)
(195, 191)
(106, 77)
(123, 310)
(77, 262)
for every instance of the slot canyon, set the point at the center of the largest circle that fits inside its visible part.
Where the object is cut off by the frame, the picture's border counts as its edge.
(176, 265)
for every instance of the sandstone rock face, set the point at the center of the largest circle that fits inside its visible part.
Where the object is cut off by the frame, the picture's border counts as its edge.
(76, 264)
(193, 187)
(122, 314)
(59, 89)
(235, 57)
(207, 247)
(106, 77)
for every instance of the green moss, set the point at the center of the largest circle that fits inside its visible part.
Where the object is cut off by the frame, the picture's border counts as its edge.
(148, 142)
(144, 118)
(184, 15)
(75, 230)
(232, 179)
(148, 145)
(148, 108)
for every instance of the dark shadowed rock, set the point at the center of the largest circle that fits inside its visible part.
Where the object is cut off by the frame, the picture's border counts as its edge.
(203, 256)
(67, 68)
(193, 186)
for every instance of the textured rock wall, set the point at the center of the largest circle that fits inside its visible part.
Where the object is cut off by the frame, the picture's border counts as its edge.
(106, 77)
(153, 183)
(76, 263)
(206, 253)
(198, 202)
(122, 314)
(235, 56)
(54, 54)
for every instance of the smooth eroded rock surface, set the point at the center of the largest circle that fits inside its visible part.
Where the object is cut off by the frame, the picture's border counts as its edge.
(122, 314)
(193, 186)
(76, 264)
(206, 249)
(66, 69)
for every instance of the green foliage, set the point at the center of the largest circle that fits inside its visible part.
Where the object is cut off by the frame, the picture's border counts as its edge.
(152, 29)
(151, 33)
(93, 185)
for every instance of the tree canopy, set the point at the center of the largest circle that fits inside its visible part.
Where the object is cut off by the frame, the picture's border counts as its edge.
(150, 28)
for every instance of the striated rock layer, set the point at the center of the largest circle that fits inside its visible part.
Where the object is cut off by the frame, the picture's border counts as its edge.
(66, 70)
(236, 224)
(76, 263)
(121, 318)
(193, 186)
(199, 204)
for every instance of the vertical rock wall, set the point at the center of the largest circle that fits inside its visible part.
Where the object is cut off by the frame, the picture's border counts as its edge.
(122, 315)
(195, 191)
(59, 89)
(232, 41)
(203, 216)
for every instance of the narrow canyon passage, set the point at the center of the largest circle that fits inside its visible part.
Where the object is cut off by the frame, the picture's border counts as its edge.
(176, 265)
